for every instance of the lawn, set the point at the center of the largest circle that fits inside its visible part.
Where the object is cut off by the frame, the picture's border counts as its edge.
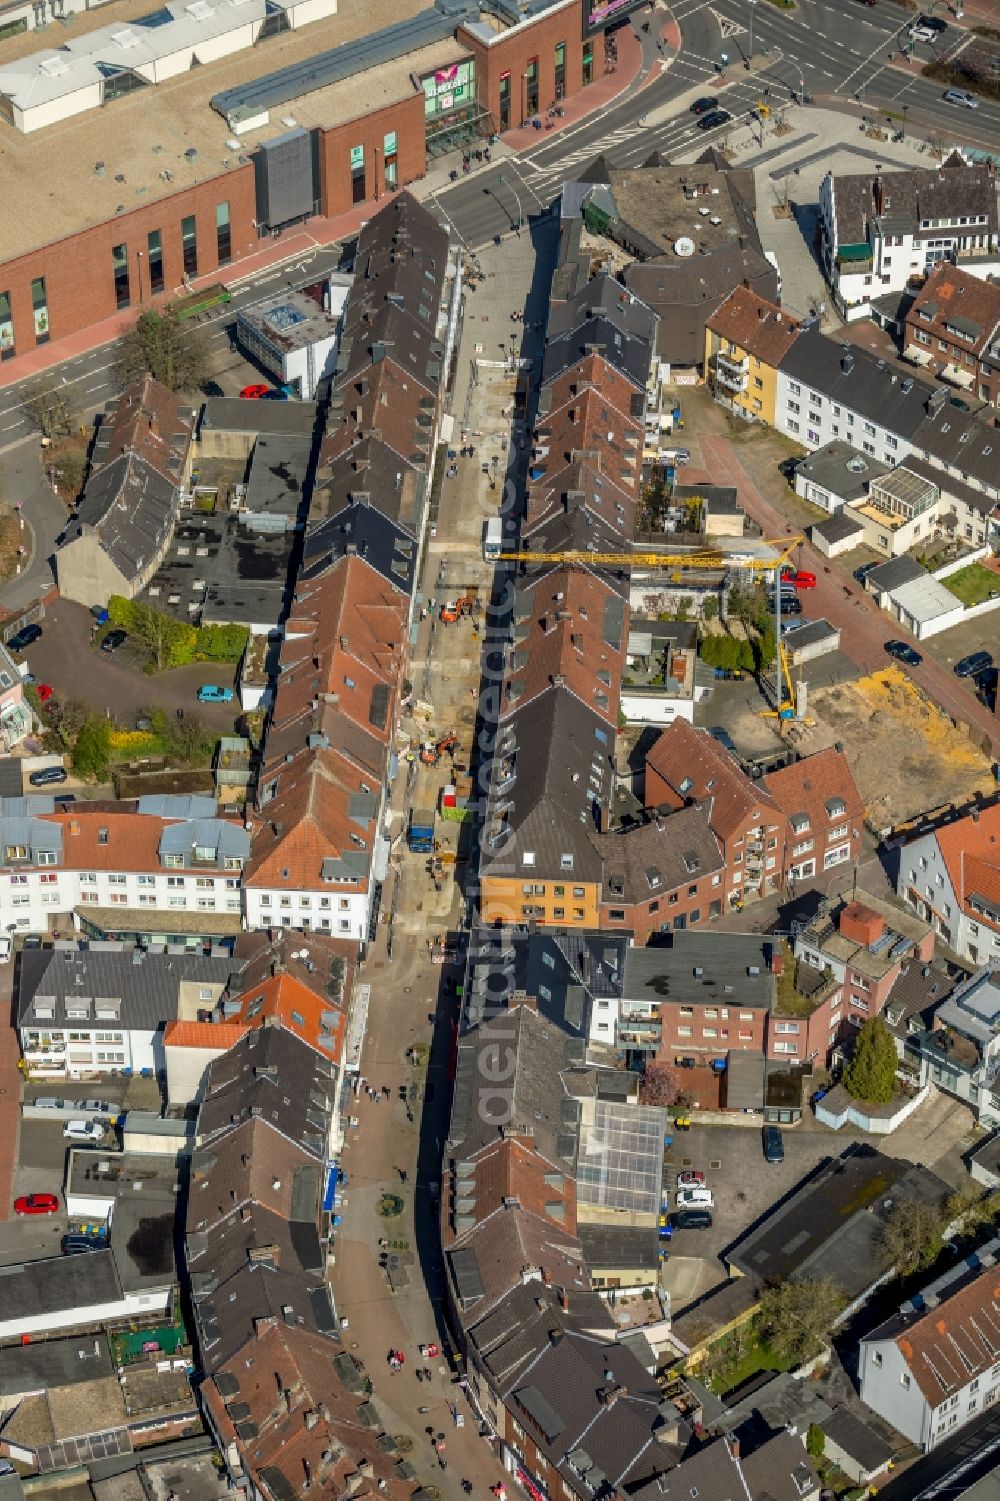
(747, 1356)
(973, 584)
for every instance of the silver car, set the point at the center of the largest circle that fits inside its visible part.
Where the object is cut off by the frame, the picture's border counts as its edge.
(961, 96)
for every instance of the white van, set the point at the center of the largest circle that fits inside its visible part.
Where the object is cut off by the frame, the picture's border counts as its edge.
(694, 1198)
(83, 1131)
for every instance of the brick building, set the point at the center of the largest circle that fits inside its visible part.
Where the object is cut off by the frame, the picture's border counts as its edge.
(147, 200)
(953, 329)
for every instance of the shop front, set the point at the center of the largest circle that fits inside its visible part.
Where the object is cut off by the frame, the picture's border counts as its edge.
(601, 20)
(453, 119)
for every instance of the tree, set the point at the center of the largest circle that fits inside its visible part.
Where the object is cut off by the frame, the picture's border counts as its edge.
(160, 344)
(871, 1073)
(93, 748)
(912, 1235)
(68, 468)
(684, 606)
(170, 642)
(660, 1084)
(796, 1317)
(764, 650)
(49, 404)
(710, 608)
(815, 1441)
(65, 718)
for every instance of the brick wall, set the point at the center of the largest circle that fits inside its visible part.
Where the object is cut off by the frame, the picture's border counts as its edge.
(511, 53)
(406, 118)
(79, 281)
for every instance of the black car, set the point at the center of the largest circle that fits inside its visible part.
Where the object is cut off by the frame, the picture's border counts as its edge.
(903, 652)
(933, 23)
(790, 604)
(113, 640)
(74, 1243)
(25, 637)
(691, 1219)
(774, 1146)
(716, 118)
(860, 574)
(702, 106)
(976, 662)
(47, 776)
(723, 737)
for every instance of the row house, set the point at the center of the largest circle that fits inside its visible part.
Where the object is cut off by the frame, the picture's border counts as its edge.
(877, 231)
(821, 801)
(935, 1365)
(87, 1009)
(953, 330)
(157, 869)
(746, 339)
(950, 877)
(959, 1050)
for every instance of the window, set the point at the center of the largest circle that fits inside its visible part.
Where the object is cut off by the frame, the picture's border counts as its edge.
(223, 234)
(560, 69)
(154, 247)
(531, 87)
(189, 244)
(6, 328)
(119, 262)
(904, 1380)
(390, 161)
(39, 310)
(793, 427)
(357, 174)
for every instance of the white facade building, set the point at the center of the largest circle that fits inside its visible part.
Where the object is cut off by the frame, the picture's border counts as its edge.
(944, 877)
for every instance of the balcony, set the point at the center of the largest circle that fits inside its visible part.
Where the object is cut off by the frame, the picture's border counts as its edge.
(732, 375)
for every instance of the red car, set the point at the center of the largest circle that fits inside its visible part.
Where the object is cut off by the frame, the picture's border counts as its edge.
(44, 692)
(254, 393)
(37, 1204)
(691, 1179)
(799, 579)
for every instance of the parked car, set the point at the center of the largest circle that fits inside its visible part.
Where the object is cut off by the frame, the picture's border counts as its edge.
(774, 1146)
(37, 1204)
(210, 693)
(48, 1102)
(926, 29)
(76, 1130)
(275, 394)
(723, 737)
(74, 1243)
(716, 118)
(45, 692)
(98, 1107)
(960, 96)
(695, 1198)
(704, 106)
(691, 1219)
(904, 652)
(47, 776)
(800, 579)
(860, 574)
(254, 392)
(977, 661)
(690, 1178)
(26, 636)
(675, 456)
(790, 604)
(787, 626)
(113, 640)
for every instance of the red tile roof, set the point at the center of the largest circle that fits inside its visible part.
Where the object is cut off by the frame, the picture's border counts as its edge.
(809, 785)
(970, 848)
(218, 1035)
(950, 293)
(153, 423)
(753, 324)
(563, 625)
(308, 821)
(513, 1169)
(586, 424)
(956, 1340)
(696, 767)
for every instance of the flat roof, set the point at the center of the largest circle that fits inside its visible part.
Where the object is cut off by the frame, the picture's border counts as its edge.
(51, 188)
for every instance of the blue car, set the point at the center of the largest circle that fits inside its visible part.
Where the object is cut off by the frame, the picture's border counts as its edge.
(211, 694)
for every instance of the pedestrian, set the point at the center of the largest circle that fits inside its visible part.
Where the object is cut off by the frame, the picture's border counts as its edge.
(385, 1090)
(403, 1175)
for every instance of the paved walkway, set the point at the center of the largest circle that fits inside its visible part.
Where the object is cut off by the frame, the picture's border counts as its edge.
(10, 1090)
(864, 628)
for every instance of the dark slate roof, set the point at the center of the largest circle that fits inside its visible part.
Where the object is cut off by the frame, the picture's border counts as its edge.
(54, 1362)
(624, 1246)
(702, 282)
(62, 1285)
(227, 1318)
(561, 972)
(855, 1438)
(837, 528)
(512, 1333)
(645, 860)
(272, 1075)
(712, 1473)
(146, 982)
(553, 746)
(832, 1226)
(893, 574)
(859, 381)
(710, 968)
(363, 529)
(945, 193)
(372, 471)
(538, 1103)
(843, 470)
(955, 489)
(780, 1470)
(228, 414)
(131, 508)
(952, 437)
(612, 321)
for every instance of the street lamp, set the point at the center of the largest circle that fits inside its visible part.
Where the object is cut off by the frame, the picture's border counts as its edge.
(906, 109)
(517, 200)
(377, 149)
(749, 59)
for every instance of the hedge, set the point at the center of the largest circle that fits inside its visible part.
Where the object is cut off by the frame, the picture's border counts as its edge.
(174, 643)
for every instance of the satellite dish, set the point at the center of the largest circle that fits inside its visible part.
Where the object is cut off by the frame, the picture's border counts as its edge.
(684, 246)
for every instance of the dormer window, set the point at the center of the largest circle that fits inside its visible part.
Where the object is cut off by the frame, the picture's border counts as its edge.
(800, 823)
(836, 807)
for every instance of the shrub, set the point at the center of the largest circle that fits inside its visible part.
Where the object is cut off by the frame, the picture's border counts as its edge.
(93, 748)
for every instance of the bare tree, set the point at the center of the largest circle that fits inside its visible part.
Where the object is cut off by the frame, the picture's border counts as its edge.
(49, 404)
(660, 1084)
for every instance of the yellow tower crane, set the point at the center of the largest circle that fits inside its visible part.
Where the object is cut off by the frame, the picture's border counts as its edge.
(706, 558)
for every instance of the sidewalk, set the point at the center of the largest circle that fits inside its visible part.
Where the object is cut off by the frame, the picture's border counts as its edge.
(319, 233)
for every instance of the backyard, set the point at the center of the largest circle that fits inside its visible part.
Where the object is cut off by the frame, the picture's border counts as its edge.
(973, 584)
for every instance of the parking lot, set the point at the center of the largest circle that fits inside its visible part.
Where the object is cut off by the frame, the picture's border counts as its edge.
(746, 1188)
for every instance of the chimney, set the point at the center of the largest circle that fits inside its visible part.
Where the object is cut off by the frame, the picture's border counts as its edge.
(546, 1276)
(530, 1002)
(311, 1418)
(564, 1301)
(734, 1445)
(775, 958)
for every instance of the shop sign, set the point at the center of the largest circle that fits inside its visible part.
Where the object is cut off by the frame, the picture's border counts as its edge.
(596, 17)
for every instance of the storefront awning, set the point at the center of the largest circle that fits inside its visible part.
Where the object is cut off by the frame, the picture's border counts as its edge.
(916, 355)
(959, 377)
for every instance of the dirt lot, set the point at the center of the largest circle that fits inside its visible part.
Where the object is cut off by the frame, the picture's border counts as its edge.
(905, 754)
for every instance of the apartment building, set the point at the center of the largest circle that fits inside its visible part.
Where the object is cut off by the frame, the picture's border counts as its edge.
(664, 875)
(959, 1051)
(85, 1009)
(746, 339)
(950, 877)
(935, 1365)
(953, 330)
(164, 867)
(820, 799)
(878, 230)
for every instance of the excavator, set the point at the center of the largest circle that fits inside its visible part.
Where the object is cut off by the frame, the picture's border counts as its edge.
(431, 754)
(454, 609)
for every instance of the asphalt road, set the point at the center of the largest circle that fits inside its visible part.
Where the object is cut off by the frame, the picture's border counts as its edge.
(950, 1471)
